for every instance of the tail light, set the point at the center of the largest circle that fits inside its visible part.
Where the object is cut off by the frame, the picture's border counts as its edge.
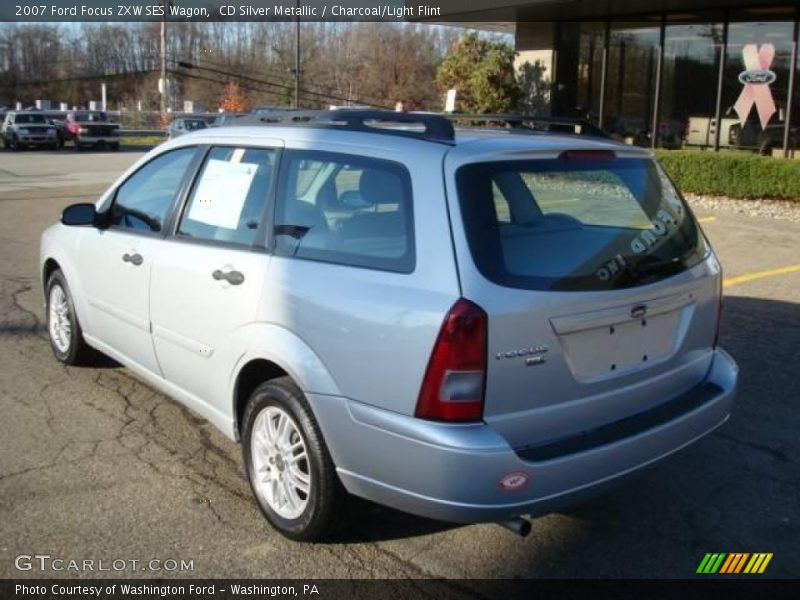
(453, 387)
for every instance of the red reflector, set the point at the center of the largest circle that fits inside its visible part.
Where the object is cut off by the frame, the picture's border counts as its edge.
(453, 387)
(587, 155)
(513, 481)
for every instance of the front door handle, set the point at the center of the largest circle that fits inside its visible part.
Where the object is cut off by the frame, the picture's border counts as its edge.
(232, 277)
(135, 259)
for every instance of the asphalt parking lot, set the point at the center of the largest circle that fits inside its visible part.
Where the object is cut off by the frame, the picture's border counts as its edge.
(95, 464)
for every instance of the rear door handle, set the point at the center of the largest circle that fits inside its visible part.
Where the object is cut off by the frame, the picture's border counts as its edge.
(135, 259)
(232, 277)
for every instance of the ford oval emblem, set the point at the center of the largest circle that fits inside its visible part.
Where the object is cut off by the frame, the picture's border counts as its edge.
(638, 311)
(513, 481)
(757, 77)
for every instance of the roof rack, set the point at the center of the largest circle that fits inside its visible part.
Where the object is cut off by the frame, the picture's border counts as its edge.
(567, 125)
(436, 128)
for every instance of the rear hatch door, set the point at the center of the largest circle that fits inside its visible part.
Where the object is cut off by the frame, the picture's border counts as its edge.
(601, 292)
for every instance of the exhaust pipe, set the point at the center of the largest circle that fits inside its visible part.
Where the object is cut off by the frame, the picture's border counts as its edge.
(518, 525)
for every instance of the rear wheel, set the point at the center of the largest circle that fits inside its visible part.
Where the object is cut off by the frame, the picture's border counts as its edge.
(64, 331)
(290, 470)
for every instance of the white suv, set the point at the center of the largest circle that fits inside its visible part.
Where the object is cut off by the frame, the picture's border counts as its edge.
(470, 326)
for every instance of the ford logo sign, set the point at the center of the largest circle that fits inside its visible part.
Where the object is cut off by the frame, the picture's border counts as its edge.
(757, 77)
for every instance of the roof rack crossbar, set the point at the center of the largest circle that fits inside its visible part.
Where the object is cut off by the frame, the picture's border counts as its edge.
(436, 127)
(580, 126)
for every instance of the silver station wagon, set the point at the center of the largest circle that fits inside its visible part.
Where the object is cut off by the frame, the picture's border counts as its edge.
(469, 324)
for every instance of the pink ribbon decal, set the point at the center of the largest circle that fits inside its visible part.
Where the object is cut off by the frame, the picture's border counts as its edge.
(756, 79)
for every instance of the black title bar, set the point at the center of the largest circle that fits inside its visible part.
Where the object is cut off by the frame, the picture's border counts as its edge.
(220, 10)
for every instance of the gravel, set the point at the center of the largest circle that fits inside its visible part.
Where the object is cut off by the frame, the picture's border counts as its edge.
(776, 209)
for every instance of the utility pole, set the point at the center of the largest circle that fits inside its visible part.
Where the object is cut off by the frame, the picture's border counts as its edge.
(297, 64)
(163, 79)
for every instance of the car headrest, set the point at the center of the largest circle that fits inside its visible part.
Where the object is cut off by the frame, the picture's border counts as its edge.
(378, 186)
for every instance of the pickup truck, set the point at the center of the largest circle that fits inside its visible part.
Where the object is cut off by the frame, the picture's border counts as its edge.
(90, 128)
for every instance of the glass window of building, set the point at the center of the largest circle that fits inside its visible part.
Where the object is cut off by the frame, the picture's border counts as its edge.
(580, 69)
(631, 80)
(756, 80)
(794, 130)
(690, 73)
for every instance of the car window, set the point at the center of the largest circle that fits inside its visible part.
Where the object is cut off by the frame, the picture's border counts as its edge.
(90, 117)
(143, 202)
(345, 209)
(228, 201)
(576, 224)
(30, 119)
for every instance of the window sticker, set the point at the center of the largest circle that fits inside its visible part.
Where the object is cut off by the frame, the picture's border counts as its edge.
(221, 194)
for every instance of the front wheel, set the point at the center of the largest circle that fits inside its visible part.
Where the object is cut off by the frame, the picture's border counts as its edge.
(290, 470)
(64, 331)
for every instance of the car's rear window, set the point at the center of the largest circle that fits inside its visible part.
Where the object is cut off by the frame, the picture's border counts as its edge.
(594, 222)
(93, 117)
(30, 119)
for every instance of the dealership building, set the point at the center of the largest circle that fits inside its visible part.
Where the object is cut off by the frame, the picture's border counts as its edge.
(670, 73)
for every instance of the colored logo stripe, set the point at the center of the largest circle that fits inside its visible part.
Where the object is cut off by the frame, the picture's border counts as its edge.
(711, 563)
(733, 563)
(758, 563)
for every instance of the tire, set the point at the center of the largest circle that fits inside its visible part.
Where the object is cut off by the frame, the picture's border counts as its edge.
(67, 343)
(271, 469)
(15, 144)
(115, 147)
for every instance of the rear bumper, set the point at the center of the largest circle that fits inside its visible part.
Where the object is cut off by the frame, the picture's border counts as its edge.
(452, 472)
(86, 140)
(37, 140)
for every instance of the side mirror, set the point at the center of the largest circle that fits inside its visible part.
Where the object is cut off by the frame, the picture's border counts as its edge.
(79, 214)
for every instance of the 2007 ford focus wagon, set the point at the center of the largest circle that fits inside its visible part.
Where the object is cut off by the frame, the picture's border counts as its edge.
(470, 325)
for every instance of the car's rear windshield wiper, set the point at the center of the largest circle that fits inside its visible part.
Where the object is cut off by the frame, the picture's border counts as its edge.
(651, 266)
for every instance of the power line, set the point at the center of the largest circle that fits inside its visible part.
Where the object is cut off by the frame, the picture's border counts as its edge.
(83, 78)
(209, 79)
(276, 72)
(190, 65)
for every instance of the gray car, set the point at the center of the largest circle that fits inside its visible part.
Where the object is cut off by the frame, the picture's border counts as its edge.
(21, 129)
(469, 325)
(184, 125)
